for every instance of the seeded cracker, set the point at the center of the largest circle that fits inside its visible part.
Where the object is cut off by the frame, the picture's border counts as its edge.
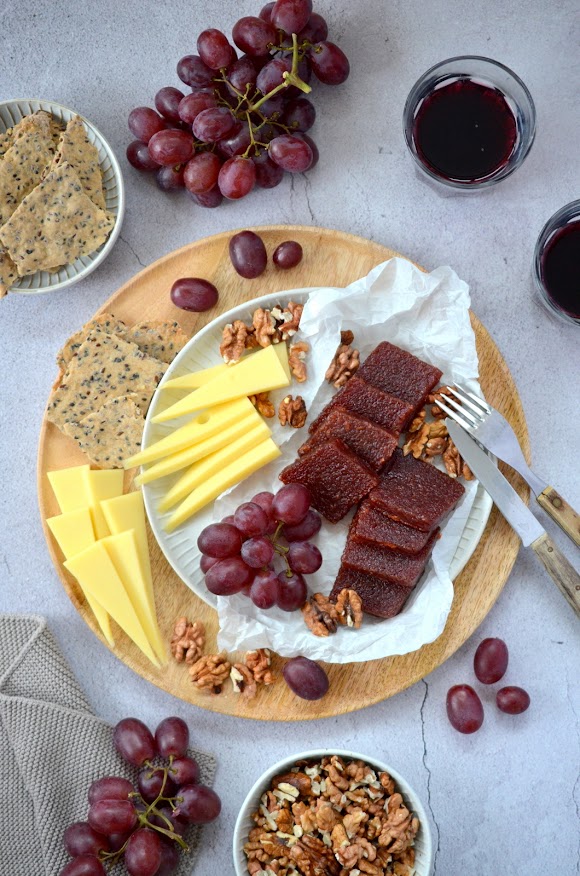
(7, 138)
(8, 273)
(24, 162)
(111, 434)
(55, 224)
(162, 340)
(75, 149)
(105, 367)
(106, 322)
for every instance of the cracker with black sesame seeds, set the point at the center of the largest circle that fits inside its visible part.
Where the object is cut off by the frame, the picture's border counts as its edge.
(162, 340)
(8, 273)
(55, 224)
(106, 322)
(24, 162)
(8, 136)
(75, 149)
(111, 434)
(103, 368)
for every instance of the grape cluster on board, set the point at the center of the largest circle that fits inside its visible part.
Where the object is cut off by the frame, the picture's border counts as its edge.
(239, 554)
(245, 120)
(142, 826)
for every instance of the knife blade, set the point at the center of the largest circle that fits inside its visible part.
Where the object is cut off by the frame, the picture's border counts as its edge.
(501, 491)
(517, 514)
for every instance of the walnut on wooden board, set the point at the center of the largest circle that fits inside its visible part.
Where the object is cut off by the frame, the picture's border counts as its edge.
(243, 681)
(320, 615)
(292, 412)
(259, 662)
(233, 341)
(188, 640)
(263, 404)
(210, 673)
(296, 356)
(349, 608)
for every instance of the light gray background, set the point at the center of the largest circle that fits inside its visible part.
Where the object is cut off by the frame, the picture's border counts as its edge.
(505, 800)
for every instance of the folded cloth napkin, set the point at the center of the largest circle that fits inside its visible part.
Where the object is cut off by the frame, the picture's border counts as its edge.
(51, 748)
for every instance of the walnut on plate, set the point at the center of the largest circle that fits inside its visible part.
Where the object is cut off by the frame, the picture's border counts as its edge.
(320, 615)
(292, 412)
(233, 341)
(349, 608)
(263, 404)
(345, 363)
(296, 356)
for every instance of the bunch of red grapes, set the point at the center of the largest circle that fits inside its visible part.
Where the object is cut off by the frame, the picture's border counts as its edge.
(238, 554)
(245, 120)
(143, 825)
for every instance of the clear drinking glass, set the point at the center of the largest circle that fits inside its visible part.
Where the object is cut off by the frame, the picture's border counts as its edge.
(556, 267)
(495, 117)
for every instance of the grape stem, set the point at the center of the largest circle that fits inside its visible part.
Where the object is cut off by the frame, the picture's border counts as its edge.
(291, 78)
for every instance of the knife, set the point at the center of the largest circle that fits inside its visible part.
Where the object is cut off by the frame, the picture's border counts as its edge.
(517, 514)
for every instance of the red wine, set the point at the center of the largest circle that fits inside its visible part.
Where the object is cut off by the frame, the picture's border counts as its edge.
(465, 130)
(560, 267)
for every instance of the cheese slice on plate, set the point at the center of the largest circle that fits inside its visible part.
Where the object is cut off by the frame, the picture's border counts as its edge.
(183, 458)
(259, 372)
(124, 552)
(74, 533)
(231, 474)
(97, 575)
(70, 487)
(205, 468)
(195, 379)
(102, 485)
(201, 427)
(128, 512)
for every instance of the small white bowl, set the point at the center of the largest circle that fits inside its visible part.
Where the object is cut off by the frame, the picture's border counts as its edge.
(244, 822)
(11, 112)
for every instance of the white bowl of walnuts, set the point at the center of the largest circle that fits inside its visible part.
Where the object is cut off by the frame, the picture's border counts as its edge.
(332, 812)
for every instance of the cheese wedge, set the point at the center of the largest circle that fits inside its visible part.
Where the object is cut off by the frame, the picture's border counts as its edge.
(186, 457)
(195, 379)
(260, 372)
(128, 512)
(231, 474)
(281, 351)
(124, 552)
(74, 533)
(201, 427)
(70, 487)
(96, 573)
(102, 485)
(212, 464)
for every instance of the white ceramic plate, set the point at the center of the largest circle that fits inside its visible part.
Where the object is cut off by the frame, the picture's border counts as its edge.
(11, 112)
(244, 822)
(180, 546)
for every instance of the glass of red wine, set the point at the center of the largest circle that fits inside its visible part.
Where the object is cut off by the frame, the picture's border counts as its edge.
(469, 122)
(557, 264)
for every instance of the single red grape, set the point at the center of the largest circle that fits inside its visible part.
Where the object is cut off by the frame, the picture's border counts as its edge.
(299, 114)
(291, 503)
(210, 199)
(250, 519)
(248, 254)
(235, 143)
(144, 122)
(197, 804)
(287, 255)
(194, 294)
(171, 147)
(266, 11)
(241, 74)
(512, 700)
(172, 737)
(117, 841)
(271, 76)
(268, 174)
(170, 179)
(313, 148)
(184, 771)
(112, 816)
(228, 576)
(220, 540)
(138, 156)
(214, 49)
(304, 530)
(464, 708)
(167, 102)
(207, 562)
(134, 742)
(305, 678)
(143, 853)
(257, 552)
(265, 589)
(491, 660)
(194, 72)
(293, 154)
(329, 63)
(170, 859)
(192, 104)
(110, 788)
(291, 16)
(211, 125)
(304, 557)
(152, 783)
(292, 591)
(84, 865)
(254, 35)
(201, 173)
(315, 31)
(80, 839)
(237, 178)
(265, 500)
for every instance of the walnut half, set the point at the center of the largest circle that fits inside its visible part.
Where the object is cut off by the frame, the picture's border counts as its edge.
(209, 673)
(292, 412)
(320, 615)
(188, 641)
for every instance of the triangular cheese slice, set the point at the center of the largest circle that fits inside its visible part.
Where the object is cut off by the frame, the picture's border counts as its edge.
(100, 485)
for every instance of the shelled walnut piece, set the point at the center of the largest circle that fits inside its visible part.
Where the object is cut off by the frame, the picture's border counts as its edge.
(345, 363)
(296, 356)
(188, 641)
(246, 677)
(426, 440)
(267, 327)
(320, 615)
(332, 818)
(292, 412)
(263, 404)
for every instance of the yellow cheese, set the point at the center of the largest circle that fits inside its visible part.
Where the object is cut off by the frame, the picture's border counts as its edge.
(74, 533)
(124, 552)
(212, 464)
(102, 485)
(260, 372)
(70, 487)
(96, 573)
(195, 379)
(127, 512)
(231, 474)
(201, 427)
(186, 457)
(281, 351)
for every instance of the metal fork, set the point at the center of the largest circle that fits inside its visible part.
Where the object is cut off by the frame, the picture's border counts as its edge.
(495, 434)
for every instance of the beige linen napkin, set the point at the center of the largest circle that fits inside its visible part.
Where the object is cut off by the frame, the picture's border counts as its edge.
(51, 748)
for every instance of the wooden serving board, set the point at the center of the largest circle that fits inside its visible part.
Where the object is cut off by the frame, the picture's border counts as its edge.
(331, 258)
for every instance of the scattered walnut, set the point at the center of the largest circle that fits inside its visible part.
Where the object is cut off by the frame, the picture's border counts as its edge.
(259, 663)
(265, 327)
(320, 615)
(292, 411)
(263, 404)
(455, 465)
(243, 681)
(233, 341)
(400, 828)
(435, 397)
(290, 319)
(188, 640)
(296, 355)
(209, 673)
(428, 440)
(345, 363)
(349, 608)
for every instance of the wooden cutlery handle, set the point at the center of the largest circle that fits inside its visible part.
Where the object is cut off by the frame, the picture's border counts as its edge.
(560, 511)
(562, 572)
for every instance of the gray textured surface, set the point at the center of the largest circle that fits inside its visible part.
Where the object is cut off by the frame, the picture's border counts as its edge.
(505, 800)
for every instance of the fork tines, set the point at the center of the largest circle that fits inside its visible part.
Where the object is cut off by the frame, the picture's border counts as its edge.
(471, 410)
